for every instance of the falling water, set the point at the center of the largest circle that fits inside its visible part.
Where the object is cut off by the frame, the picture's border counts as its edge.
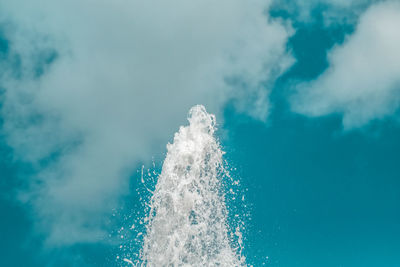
(187, 224)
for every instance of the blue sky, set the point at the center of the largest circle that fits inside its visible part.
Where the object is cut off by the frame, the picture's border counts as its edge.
(306, 96)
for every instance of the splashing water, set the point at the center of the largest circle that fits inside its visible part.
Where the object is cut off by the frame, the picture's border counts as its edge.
(187, 224)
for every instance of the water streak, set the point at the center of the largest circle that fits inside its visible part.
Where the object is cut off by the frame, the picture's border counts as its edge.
(187, 224)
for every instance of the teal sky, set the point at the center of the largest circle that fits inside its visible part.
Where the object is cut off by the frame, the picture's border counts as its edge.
(322, 184)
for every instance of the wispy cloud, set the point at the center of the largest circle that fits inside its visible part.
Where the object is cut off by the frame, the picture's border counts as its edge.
(100, 83)
(363, 79)
(331, 11)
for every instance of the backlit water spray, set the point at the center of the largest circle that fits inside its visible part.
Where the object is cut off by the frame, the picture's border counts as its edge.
(187, 222)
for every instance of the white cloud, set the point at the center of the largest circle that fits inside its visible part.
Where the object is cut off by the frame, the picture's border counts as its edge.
(363, 78)
(125, 75)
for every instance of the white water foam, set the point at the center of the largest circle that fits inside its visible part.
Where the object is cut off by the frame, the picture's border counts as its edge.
(187, 224)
